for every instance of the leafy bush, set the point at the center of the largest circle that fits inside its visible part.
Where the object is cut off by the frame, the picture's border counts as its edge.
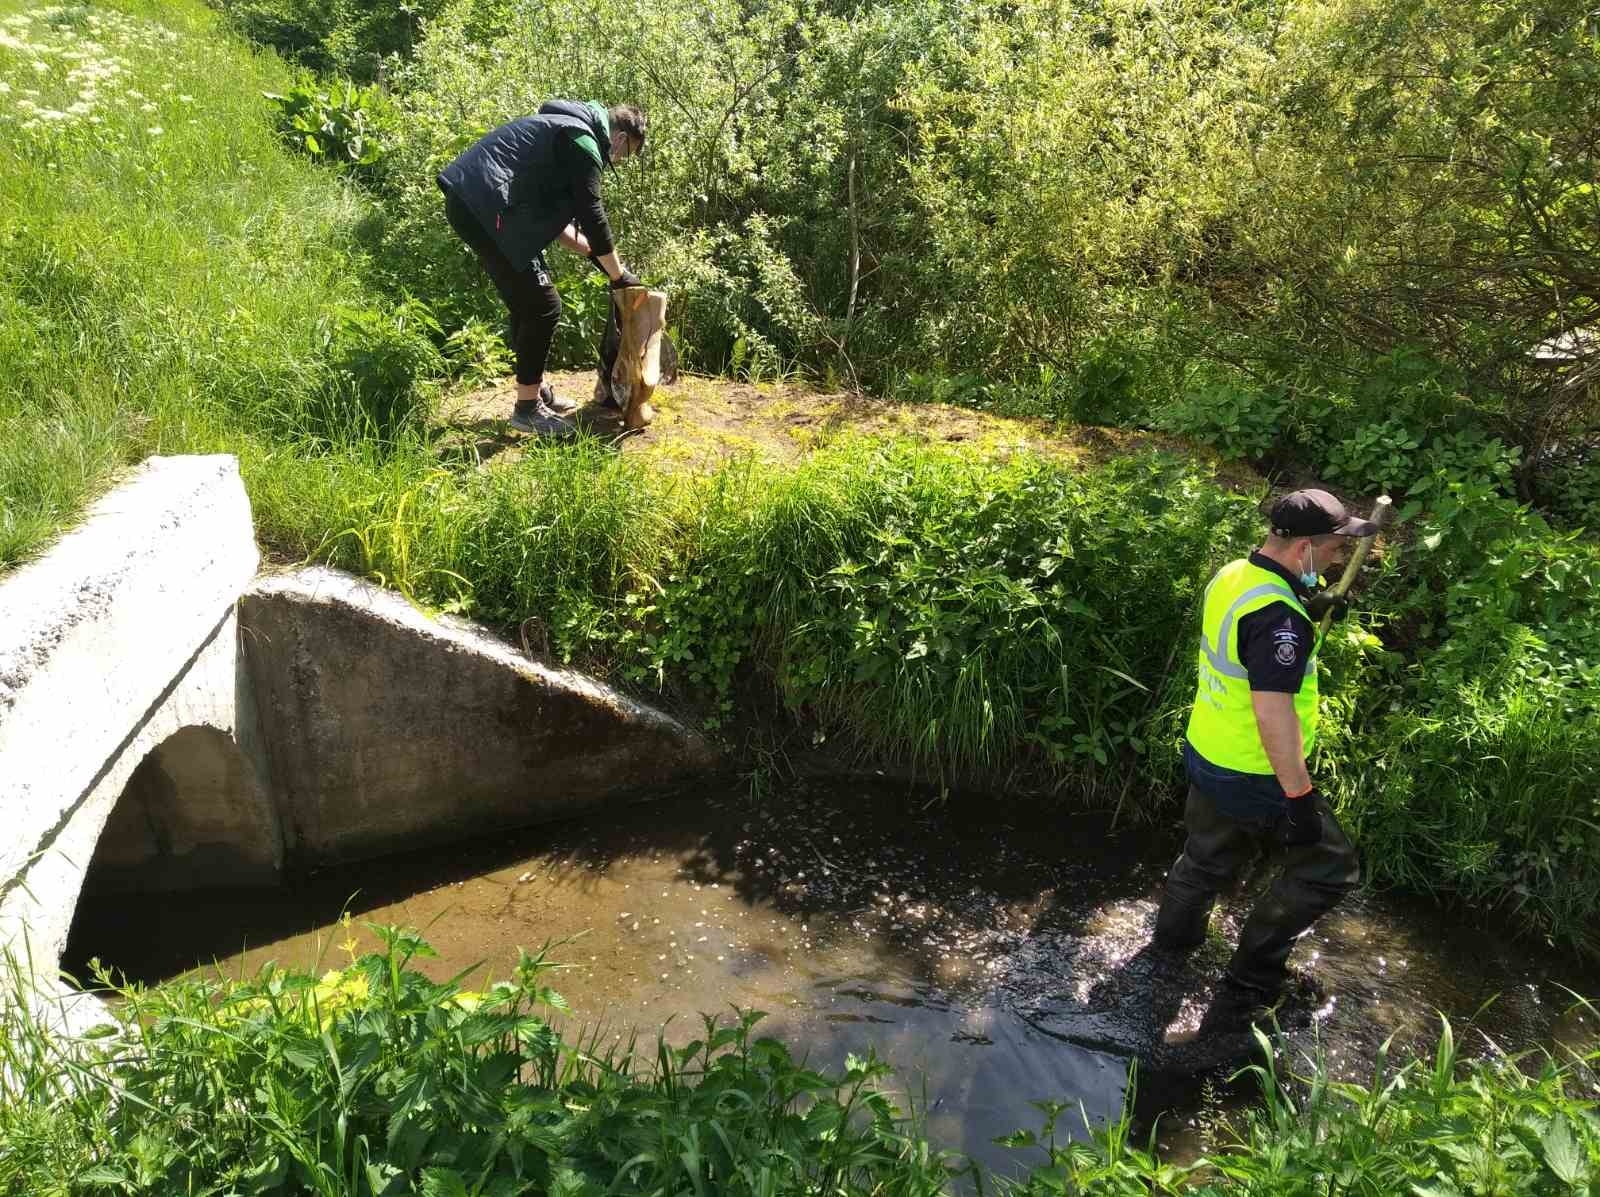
(341, 124)
(1569, 485)
(477, 354)
(1396, 457)
(1241, 421)
(1376, 456)
(379, 360)
(374, 1081)
(356, 38)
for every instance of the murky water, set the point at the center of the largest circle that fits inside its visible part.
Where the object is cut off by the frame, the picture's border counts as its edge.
(994, 953)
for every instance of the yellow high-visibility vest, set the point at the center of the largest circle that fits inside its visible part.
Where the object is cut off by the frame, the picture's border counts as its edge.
(1222, 725)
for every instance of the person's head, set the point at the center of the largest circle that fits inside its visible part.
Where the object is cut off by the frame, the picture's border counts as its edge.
(627, 131)
(1311, 532)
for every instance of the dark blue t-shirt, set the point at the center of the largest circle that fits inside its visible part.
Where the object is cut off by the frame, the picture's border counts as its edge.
(1274, 644)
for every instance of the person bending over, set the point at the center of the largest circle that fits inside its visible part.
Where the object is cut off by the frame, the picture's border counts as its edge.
(513, 192)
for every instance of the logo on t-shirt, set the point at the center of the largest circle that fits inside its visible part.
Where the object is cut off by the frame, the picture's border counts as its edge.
(1287, 651)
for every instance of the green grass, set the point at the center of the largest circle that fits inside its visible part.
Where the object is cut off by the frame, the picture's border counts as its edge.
(170, 281)
(1440, 1127)
(372, 1080)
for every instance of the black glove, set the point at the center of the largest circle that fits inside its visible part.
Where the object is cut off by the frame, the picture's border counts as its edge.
(626, 279)
(1303, 827)
(1320, 604)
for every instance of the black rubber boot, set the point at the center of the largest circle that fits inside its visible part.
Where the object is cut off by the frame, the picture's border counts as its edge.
(1260, 961)
(1181, 925)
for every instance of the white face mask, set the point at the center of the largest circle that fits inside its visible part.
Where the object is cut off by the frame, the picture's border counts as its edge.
(1309, 580)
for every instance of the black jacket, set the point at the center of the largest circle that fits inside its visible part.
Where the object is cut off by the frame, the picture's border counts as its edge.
(530, 178)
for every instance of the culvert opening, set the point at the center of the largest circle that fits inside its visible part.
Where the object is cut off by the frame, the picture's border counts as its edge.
(192, 818)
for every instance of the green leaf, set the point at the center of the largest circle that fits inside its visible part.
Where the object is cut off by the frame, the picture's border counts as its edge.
(1561, 1151)
(102, 1174)
(443, 1182)
(1442, 1187)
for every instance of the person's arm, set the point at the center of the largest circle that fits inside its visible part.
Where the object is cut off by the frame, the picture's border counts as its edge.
(575, 241)
(579, 244)
(1280, 736)
(591, 213)
(1274, 643)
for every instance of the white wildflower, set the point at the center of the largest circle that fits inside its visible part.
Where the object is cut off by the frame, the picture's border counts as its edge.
(147, 108)
(183, 99)
(5, 88)
(155, 130)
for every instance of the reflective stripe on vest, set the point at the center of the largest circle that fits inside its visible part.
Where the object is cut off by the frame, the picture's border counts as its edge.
(1222, 725)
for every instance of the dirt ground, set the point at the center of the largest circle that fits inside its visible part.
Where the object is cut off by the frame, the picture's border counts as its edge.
(701, 421)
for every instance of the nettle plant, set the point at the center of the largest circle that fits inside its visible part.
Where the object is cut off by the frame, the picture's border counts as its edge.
(338, 125)
(1243, 422)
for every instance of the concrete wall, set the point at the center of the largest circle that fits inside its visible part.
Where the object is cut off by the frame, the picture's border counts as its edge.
(168, 721)
(119, 637)
(387, 729)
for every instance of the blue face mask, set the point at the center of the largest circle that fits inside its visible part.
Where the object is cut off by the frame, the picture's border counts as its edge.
(1310, 580)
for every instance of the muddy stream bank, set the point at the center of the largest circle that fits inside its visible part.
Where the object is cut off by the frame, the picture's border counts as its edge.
(993, 952)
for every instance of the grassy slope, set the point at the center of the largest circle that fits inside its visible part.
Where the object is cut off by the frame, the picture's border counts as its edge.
(168, 273)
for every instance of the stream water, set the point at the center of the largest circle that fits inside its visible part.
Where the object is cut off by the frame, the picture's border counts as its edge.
(993, 952)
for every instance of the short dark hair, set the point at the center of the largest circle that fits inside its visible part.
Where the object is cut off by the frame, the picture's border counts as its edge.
(629, 119)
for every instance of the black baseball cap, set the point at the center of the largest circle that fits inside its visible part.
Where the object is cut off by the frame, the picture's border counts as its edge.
(1316, 513)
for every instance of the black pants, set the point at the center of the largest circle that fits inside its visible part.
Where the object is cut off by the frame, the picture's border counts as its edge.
(1313, 880)
(530, 295)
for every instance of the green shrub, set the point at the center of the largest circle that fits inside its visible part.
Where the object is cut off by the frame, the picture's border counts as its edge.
(342, 124)
(1376, 456)
(374, 1081)
(1570, 487)
(1242, 421)
(357, 38)
(1396, 456)
(1440, 1126)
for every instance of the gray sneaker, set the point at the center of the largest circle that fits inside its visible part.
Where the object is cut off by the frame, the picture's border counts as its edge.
(553, 405)
(547, 425)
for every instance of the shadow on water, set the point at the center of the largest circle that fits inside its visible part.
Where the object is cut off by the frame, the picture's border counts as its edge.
(993, 953)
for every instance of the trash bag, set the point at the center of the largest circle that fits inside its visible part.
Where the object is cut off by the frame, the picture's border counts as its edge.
(610, 344)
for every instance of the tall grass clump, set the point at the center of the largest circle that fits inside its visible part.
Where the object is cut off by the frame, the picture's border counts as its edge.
(374, 1081)
(1439, 1127)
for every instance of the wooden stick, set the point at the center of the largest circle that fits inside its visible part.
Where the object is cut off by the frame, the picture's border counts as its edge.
(1382, 513)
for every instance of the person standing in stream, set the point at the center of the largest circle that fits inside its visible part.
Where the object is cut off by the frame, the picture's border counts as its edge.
(1253, 724)
(516, 190)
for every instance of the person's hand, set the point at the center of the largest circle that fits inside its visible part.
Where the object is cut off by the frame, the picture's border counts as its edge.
(626, 279)
(1322, 604)
(1303, 827)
